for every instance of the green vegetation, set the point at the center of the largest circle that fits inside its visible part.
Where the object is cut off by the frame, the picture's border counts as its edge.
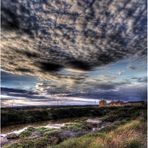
(13, 116)
(124, 127)
(77, 127)
(131, 134)
(128, 135)
(25, 133)
(25, 143)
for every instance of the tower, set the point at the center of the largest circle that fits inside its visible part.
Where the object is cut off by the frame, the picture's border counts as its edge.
(102, 103)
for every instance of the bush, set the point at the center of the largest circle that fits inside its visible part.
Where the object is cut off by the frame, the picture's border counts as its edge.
(75, 127)
(134, 144)
(41, 143)
(11, 116)
(25, 133)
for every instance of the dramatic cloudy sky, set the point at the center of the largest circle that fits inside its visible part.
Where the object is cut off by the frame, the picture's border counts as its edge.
(73, 51)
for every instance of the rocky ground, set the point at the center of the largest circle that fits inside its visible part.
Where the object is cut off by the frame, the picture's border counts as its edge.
(94, 123)
(56, 132)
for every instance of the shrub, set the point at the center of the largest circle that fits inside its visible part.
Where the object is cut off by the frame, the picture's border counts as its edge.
(134, 144)
(25, 133)
(75, 127)
(41, 143)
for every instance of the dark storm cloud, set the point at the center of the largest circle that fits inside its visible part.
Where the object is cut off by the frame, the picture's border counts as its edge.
(16, 92)
(11, 90)
(49, 67)
(42, 37)
(111, 85)
(144, 79)
(9, 20)
(79, 65)
(23, 70)
(105, 86)
(131, 67)
(85, 86)
(132, 93)
(140, 79)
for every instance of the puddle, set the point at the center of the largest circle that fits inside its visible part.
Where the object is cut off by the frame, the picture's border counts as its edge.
(55, 126)
(93, 121)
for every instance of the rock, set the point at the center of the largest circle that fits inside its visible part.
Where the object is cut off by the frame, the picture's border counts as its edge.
(48, 133)
(35, 134)
(54, 137)
(30, 128)
(68, 134)
(54, 134)
(54, 140)
(3, 140)
(12, 136)
(96, 129)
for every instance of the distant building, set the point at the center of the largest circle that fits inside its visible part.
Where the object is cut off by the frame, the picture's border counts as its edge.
(116, 103)
(102, 103)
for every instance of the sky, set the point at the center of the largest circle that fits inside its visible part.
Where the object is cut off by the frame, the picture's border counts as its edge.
(124, 80)
(73, 53)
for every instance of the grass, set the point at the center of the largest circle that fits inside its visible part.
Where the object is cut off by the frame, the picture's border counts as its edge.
(13, 116)
(129, 135)
(41, 130)
(25, 133)
(25, 143)
(76, 127)
(127, 130)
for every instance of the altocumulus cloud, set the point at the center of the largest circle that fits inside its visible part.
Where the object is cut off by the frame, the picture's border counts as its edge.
(43, 37)
(67, 44)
